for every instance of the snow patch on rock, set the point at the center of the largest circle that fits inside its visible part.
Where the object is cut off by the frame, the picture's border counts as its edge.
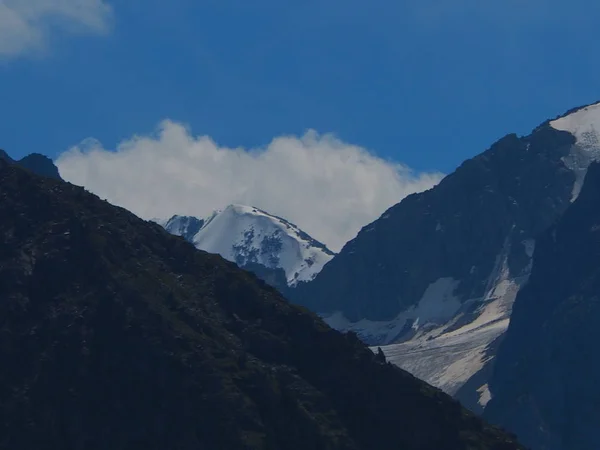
(449, 355)
(484, 395)
(437, 305)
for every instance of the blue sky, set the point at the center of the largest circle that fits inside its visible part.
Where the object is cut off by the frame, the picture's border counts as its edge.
(426, 83)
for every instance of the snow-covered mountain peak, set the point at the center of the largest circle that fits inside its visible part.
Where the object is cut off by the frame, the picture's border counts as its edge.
(250, 236)
(584, 125)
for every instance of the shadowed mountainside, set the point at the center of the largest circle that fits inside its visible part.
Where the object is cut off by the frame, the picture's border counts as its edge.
(545, 381)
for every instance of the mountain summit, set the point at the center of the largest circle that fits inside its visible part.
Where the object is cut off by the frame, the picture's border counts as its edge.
(116, 335)
(275, 249)
(436, 275)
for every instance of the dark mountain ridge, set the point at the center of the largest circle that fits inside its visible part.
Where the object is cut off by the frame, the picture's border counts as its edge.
(490, 204)
(544, 384)
(36, 163)
(116, 335)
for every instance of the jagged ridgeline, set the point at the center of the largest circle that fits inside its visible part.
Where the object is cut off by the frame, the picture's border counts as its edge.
(116, 335)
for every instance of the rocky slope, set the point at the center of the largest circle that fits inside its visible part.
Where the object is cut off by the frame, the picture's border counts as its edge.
(437, 274)
(116, 335)
(271, 247)
(544, 384)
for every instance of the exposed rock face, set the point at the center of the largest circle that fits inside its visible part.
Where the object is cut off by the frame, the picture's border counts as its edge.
(545, 382)
(116, 335)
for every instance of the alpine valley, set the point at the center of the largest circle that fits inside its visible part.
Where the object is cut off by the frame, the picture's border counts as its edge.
(434, 279)
(115, 335)
(120, 335)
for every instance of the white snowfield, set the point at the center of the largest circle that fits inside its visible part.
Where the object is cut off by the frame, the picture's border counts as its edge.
(245, 234)
(447, 358)
(446, 346)
(584, 124)
(450, 345)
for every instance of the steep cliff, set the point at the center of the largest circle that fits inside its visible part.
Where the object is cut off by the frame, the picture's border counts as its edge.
(544, 385)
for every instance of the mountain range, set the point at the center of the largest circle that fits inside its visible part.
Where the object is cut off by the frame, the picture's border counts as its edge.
(485, 286)
(116, 335)
(434, 279)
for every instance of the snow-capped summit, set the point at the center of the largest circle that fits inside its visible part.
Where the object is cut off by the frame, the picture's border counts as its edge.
(584, 125)
(251, 237)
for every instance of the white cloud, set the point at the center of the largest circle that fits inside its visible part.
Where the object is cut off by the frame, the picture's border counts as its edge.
(25, 25)
(328, 188)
